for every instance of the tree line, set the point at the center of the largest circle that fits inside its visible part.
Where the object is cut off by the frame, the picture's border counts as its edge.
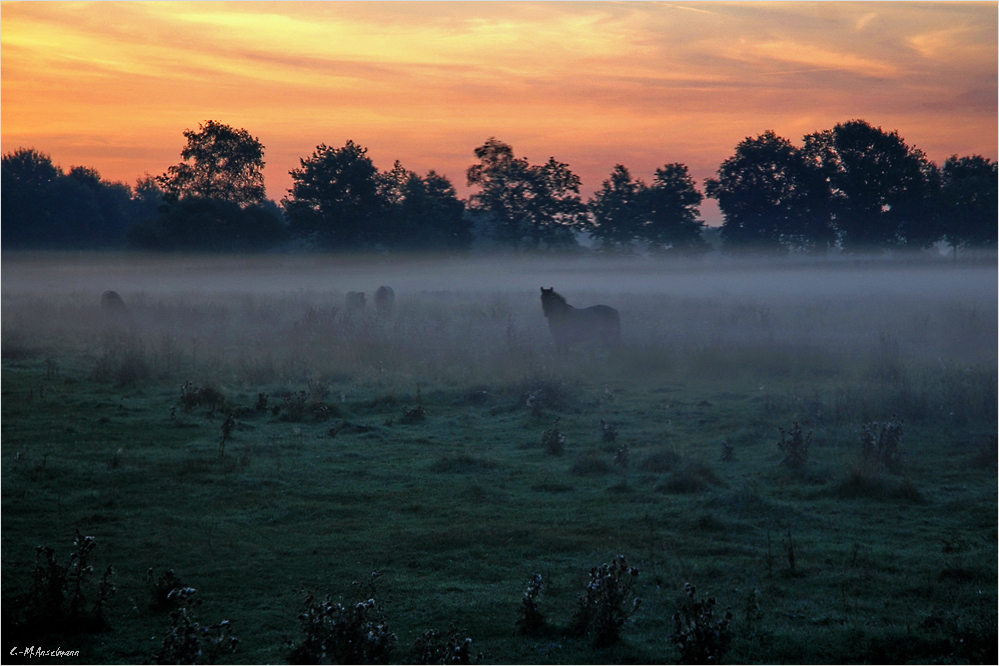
(856, 188)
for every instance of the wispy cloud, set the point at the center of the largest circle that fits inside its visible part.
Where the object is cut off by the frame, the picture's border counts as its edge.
(592, 83)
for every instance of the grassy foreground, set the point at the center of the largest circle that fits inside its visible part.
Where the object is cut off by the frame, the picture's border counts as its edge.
(262, 444)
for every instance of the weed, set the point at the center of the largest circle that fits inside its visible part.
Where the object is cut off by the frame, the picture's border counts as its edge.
(794, 447)
(700, 638)
(622, 456)
(552, 440)
(192, 396)
(161, 589)
(227, 425)
(187, 642)
(438, 647)
(608, 431)
(339, 635)
(414, 414)
(879, 446)
(545, 392)
(532, 621)
(607, 602)
(728, 452)
(58, 599)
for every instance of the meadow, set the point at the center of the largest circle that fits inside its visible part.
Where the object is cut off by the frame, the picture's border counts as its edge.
(811, 443)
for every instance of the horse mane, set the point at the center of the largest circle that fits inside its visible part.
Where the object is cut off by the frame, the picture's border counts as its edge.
(552, 301)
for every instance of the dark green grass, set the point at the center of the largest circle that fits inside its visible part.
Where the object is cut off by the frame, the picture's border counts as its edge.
(459, 510)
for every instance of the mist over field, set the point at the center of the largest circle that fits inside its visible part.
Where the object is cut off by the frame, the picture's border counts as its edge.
(813, 442)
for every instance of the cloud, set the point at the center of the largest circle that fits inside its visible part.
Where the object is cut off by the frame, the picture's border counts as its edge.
(593, 84)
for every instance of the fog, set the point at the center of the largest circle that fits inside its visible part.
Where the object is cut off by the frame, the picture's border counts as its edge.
(282, 317)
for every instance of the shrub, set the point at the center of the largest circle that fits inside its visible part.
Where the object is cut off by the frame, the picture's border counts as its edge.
(700, 638)
(879, 446)
(794, 447)
(161, 589)
(437, 647)
(552, 440)
(339, 635)
(414, 414)
(57, 601)
(532, 621)
(604, 606)
(186, 641)
(192, 396)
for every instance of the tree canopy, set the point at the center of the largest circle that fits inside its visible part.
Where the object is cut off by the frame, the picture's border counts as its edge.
(772, 197)
(882, 191)
(529, 206)
(220, 162)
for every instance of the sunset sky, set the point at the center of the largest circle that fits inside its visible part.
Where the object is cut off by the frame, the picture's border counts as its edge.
(114, 85)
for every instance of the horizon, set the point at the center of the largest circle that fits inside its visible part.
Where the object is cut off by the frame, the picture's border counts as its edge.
(113, 86)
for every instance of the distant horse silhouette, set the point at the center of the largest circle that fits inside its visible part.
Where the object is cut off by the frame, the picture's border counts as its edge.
(384, 300)
(355, 301)
(113, 307)
(570, 326)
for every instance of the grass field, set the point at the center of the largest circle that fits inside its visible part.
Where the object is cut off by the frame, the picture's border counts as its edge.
(242, 430)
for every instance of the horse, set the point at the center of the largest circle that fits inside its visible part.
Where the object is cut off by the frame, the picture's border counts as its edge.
(355, 301)
(569, 325)
(384, 300)
(113, 307)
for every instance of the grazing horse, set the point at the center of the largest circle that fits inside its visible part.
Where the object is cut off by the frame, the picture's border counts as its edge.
(113, 307)
(384, 300)
(355, 301)
(570, 325)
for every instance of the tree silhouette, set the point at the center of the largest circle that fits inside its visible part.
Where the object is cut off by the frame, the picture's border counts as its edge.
(220, 162)
(883, 192)
(671, 208)
(46, 208)
(210, 225)
(662, 216)
(617, 211)
(772, 198)
(338, 199)
(970, 201)
(529, 206)
(429, 215)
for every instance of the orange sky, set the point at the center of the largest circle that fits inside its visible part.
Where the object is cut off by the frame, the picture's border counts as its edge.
(114, 85)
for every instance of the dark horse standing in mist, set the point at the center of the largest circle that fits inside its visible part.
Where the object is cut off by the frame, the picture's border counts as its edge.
(569, 325)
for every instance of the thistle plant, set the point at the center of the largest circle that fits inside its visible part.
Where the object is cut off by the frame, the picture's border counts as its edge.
(532, 621)
(794, 445)
(607, 603)
(336, 634)
(700, 638)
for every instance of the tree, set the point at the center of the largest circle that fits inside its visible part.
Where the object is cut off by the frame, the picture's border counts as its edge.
(338, 199)
(27, 176)
(46, 208)
(429, 215)
(530, 206)
(772, 198)
(970, 201)
(616, 210)
(883, 192)
(212, 225)
(670, 207)
(220, 162)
